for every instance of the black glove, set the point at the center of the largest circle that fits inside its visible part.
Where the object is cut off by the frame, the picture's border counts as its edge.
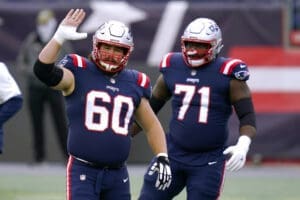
(162, 167)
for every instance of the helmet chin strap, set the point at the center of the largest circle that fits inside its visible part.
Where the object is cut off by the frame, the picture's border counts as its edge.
(196, 63)
(191, 52)
(108, 67)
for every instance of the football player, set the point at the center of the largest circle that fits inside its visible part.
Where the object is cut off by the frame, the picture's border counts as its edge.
(203, 88)
(102, 98)
(11, 99)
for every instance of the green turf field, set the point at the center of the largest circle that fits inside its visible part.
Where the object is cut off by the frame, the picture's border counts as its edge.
(21, 182)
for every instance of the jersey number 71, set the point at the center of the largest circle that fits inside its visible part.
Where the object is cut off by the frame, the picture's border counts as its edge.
(189, 91)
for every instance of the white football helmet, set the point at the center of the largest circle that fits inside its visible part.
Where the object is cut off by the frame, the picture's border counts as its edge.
(112, 33)
(204, 31)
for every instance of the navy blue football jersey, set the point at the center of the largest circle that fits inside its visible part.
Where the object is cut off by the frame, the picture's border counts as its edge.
(100, 110)
(201, 104)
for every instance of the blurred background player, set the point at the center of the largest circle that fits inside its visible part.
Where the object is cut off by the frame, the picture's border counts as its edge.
(203, 88)
(39, 97)
(102, 97)
(10, 99)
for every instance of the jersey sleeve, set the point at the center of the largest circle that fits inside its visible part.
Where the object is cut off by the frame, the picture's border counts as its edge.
(144, 82)
(165, 63)
(72, 61)
(235, 69)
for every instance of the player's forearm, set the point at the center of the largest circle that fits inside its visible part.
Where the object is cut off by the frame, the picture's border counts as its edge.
(152, 127)
(245, 111)
(50, 52)
(156, 139)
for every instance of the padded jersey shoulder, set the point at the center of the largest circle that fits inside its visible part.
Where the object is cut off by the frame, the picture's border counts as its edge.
(234, 68)
(72, 61)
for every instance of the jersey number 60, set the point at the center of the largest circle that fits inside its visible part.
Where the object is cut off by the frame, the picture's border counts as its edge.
(108, 118)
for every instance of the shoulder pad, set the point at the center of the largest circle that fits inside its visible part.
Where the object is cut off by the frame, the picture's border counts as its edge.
(165, 62)
(78, 61)
(235, 68)
(143, 80)
(74, 60)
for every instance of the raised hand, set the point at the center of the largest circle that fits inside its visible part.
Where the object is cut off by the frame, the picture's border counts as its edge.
(67, 29)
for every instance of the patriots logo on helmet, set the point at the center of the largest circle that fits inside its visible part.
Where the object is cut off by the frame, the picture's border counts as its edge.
(242, 75)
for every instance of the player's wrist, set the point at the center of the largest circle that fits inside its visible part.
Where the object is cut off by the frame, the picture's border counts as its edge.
(66, 32)
(163, 158)
(162, 154)
(58, 38)
(61, 33)
(244, 141)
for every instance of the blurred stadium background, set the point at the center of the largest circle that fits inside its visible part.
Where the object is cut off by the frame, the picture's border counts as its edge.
(263, 33)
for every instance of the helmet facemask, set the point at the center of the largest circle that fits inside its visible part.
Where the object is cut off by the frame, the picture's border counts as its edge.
(113, 35)
(201, 42)
(195, 53)
(107, 60)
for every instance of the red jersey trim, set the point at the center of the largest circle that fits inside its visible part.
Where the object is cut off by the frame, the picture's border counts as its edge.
(78, 61)
(228, 66)
(143, 80)
(166, 61)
